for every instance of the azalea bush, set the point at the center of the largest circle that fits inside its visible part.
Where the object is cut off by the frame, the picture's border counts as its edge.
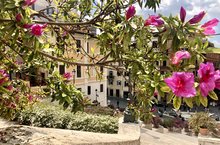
(125, 43)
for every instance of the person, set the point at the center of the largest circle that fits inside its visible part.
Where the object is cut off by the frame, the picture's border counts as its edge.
(116, 112)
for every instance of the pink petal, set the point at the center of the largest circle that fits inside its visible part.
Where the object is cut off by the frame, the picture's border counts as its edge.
(197, 18)
(179, 55)
(209, 31)
(182, 14)
(217, 79)
(211, 23)
(130, 12)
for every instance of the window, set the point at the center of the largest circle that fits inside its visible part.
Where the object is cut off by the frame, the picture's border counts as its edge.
(101, 88)
(110, 82)
(126, 94)
(49, 10)
(111, 73)
(117, 93)
(154, 44)
(126, 84)
(89, 90)
(111, 92)
(80, 89)
(62, 69)
(126, 73)
(157, 63)
(78, 45)
(119, 83)
(101, 69)
(87, 47)
(78, 71)
(118, 73)
(164, 63)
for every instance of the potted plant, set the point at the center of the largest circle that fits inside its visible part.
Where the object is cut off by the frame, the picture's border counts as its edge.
(168, 123)
(156, 121)
(202, 123)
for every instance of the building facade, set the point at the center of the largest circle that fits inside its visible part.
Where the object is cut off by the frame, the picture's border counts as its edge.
(91, 81)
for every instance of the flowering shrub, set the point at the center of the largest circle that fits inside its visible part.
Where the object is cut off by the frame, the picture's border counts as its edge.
(125, 45)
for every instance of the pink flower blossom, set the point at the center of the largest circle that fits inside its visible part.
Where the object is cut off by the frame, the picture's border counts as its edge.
(197, 18)
(154, 20)
(130, 12)
(206, 74)
(182, 84)
(217, 79)
(67, 76)
(29, 2)
(182, 14)
(18, 17)
(37, 29)
(179, 55)
(208, 26)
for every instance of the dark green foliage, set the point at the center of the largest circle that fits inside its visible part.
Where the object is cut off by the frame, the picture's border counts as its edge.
(42, 115)
(99, 110)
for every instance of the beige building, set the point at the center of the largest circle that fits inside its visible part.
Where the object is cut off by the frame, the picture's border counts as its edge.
(85, 78)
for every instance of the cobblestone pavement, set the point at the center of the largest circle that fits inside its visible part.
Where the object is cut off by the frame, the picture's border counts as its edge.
(151, 137)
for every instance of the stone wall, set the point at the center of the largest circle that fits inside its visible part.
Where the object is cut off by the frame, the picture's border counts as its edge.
(205, 140)
(128, 134)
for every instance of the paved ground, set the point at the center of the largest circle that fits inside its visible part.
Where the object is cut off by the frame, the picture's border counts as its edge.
(151, 137)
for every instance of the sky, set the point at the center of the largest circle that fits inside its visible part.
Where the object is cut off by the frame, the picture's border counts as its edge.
(193, 7)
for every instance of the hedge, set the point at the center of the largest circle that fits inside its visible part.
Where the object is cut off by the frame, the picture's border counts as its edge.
(43, 115)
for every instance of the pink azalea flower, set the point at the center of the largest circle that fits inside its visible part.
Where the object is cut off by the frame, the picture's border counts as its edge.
(37, 29)
(18, 17)
(179, 55)
(182, 84)
(197, 18)
(130, 12)
(217, 79)
(67, 76)
(206, 74)
(208, 26)
(182, 14)
(29, 2)
(154, 20)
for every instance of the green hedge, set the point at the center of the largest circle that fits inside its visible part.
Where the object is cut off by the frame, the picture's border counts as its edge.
(44, 115)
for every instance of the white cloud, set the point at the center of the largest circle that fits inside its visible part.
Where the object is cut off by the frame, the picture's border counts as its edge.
(193, 7)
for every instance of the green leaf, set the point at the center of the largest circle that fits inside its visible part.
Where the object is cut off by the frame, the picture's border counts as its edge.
(213, 95)
(203, 100)
(177, 102)
(165, 89)
(196, 98)
(189, 102)
(170, 97)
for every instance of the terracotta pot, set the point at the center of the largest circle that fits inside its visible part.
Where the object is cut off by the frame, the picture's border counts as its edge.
(204, 131)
